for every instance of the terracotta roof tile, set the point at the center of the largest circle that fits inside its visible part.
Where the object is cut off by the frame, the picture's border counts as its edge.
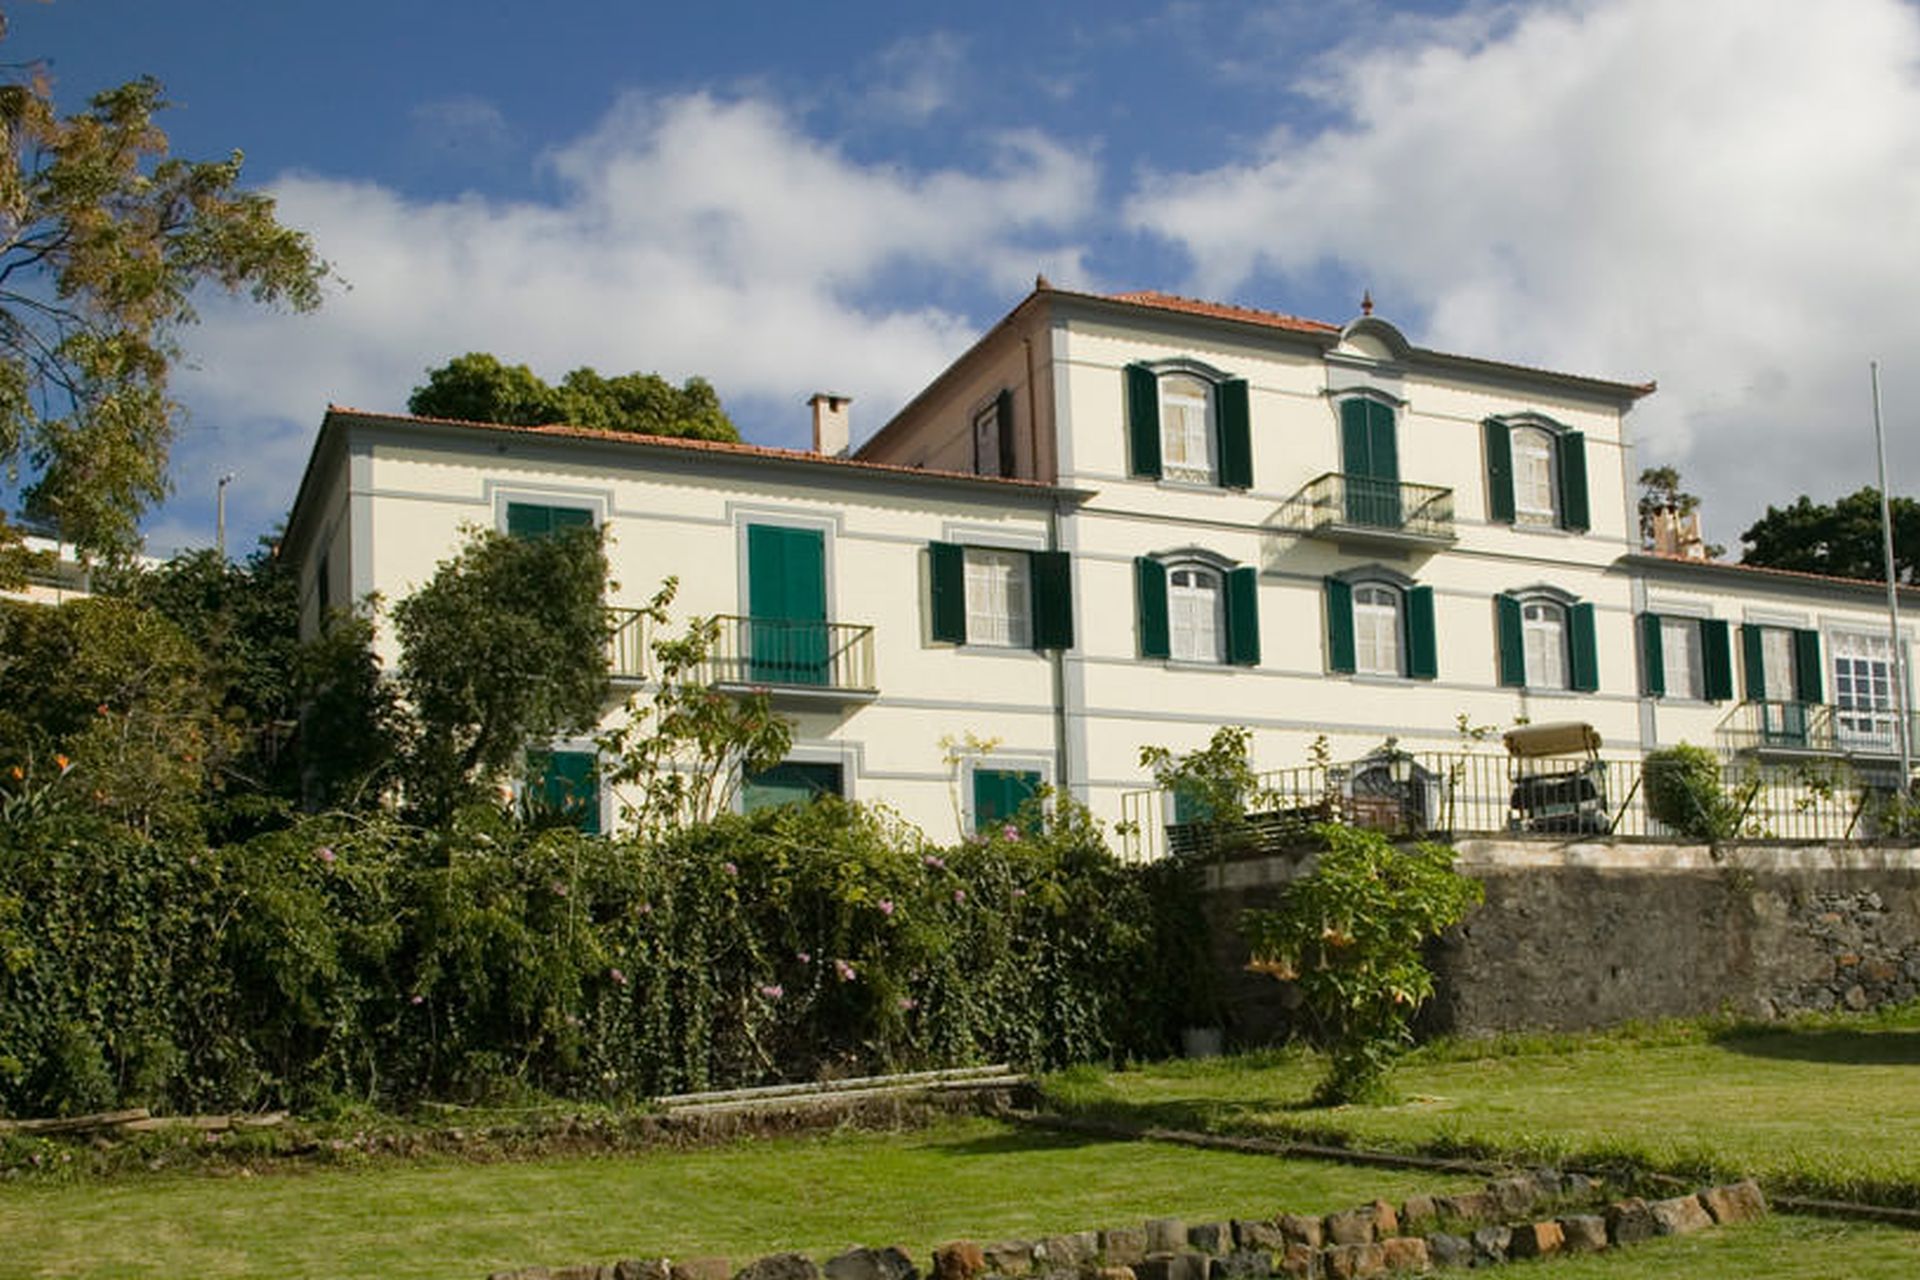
(1223, 311)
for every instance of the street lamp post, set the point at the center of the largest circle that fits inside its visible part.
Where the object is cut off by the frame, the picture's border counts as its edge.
(220, 516)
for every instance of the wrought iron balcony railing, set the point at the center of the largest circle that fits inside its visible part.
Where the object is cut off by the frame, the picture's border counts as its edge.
(781, 653)
(1341, 505)
(627, 644)
(1816, 728)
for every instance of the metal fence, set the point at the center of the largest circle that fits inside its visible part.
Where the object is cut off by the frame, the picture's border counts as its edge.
(1466, 793)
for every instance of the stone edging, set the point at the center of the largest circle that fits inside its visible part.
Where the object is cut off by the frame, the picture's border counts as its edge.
(1522, 1216)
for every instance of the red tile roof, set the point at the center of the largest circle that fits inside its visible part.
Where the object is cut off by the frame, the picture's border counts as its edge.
(1223, 311)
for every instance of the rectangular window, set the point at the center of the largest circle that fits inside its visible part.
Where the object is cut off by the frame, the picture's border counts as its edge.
(1863, 690)
(1535, 487)
(1377, 631)
(1543, 630)
(566, 784)
(998, 794)
(1186, 429)
(538, 520)
(999, 598)
(791, 782)
(1777, 664)
(1682, 663)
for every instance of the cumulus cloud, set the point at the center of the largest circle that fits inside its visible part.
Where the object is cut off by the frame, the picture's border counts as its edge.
(691, 235)
(1720, 194)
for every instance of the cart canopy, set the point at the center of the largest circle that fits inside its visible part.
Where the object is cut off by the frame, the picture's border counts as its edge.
(1561, 738)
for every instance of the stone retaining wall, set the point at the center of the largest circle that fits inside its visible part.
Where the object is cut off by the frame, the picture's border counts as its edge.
(1537, 1215)
(1589, 933)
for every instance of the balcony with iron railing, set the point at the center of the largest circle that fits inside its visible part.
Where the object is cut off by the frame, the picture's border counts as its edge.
(789, 658)
(1361, 509)
(1769, 727)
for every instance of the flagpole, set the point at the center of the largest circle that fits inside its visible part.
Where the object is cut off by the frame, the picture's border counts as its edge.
(1893, 594)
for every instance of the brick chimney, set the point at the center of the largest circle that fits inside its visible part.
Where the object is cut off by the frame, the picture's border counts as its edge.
(1678, 535)
(832, 425)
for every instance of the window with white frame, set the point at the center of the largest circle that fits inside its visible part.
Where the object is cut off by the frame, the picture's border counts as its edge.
(1863, 688)
(1536, 491)
(1543, 633)
(1377, 631)
(999, 598)
(1196, 615)
(1777, 665)
(1187, 442)
(1682, 661)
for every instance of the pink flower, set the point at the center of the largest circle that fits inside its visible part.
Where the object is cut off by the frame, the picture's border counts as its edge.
(772, 991)
(803, 957)
(935, 862)
(324, 853)
(844, 970)
(619, 978)
(886, 906)
(646, 908)
(908, 1004)
(559, 889)
(730, 869)
(418, 999)
(959, 895)
(1019, 893)
(1010, 831)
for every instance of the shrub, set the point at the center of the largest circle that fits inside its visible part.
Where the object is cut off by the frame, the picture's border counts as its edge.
(1685, 795)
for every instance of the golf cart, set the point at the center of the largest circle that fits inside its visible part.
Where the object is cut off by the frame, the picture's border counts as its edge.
(1559, 780)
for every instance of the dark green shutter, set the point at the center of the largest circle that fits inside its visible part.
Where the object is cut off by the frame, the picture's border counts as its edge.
(569, 786)
(570, 517)
(999, 793)
(1653, 653)
(1806, 667)
(947, 572)
(1003, 416)
(1717, 657)
(1236, 435)
(1150, 593)
(1356, 457)
(1423, 657)
(1753, 662)
(1143, 420)
(1573, 481)
(1584, 667)
(1052, 601)
(1513, 645)
(528, 520)
(787, 605)
(1499, 471)
(1243, 617)
(1340, 626)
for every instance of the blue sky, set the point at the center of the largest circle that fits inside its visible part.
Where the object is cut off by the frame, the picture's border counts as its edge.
(1722, 195)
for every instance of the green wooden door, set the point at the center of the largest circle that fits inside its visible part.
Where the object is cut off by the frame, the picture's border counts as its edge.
(1371, 463)
(786, 605)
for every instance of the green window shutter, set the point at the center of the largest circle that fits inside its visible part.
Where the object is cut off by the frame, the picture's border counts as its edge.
(1243, 617)
(1806, 667)
(1340, 626)
(1513, 645)
(1717, 657)
(1653, 654)
(1356, 453)
(1236, 435)
(1143, 420)
(1003, 415)
(1584, 665)
(1753, 662)
(1052, 600)
(1499, 471)
(1423, 657)
(1150, 593)
(1572, 448)
(528, 520)
(570, 517)
(947, 572)
(999, 793)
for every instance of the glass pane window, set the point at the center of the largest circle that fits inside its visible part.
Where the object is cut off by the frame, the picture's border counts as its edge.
(1377, 631)
(999, 598)
(986, 441)
(1535, 487)
(1187, 448)
(790, 782)
(1543, 628)
(1681, 658)
(1863, 689)
(1196, 615)
(1777, 664)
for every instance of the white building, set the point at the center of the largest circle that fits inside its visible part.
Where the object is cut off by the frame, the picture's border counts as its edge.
(1119, 521)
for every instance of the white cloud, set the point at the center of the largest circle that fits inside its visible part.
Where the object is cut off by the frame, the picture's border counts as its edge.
(1721, 194)
(917, 77)
(693, 235)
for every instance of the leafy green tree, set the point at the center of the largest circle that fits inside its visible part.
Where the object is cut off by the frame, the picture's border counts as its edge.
(505, 645)
(478, 387)
(1215, 784)
(104, 242)
(1842, 540)
(1660, 491)
(1350, 934)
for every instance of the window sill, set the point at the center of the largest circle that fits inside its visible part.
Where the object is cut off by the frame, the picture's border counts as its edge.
(1543, 691)
(1000, 650)
(1195, 664)
(1193, 486)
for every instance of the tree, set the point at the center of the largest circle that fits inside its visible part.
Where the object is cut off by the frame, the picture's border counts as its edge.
(505, 645)
(104, 240)
(1842, 540)
(477, 387)
(1660, 491)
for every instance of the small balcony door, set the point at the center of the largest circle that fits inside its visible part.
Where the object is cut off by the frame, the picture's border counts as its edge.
(1371, 463)
(786, 605)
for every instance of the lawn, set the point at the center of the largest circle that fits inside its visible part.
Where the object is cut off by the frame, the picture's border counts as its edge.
(1824, 1107)
(976, 1179)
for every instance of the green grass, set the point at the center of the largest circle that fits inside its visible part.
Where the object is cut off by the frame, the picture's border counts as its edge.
(1780, 1248)
(1825, 1107)
(969, 1179)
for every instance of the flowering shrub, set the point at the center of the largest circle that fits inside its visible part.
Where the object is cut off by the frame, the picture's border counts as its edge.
(368, 959)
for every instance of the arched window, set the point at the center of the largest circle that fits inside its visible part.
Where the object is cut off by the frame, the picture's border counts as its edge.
(1196, 614)
(1378, 630)
(1543, 628)
(1187, 437)
(1536, 484)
